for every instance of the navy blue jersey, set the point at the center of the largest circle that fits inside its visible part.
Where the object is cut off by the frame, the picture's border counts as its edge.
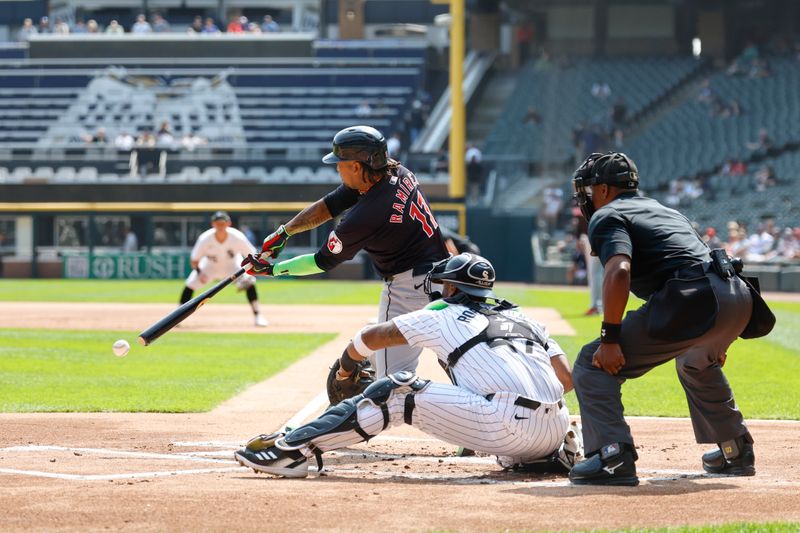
(391, 222)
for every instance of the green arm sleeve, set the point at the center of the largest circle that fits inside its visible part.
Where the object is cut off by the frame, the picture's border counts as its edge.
(302, 265)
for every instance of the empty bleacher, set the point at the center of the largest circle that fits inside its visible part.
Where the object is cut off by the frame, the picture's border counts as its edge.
(562, 96)
(256, 115)
(687, 141)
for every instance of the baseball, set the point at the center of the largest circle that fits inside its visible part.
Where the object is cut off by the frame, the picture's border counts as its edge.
(121, 348)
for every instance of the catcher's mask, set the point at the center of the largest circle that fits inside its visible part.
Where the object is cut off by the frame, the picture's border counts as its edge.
(359, 143)
(612, 168)
(471, 274)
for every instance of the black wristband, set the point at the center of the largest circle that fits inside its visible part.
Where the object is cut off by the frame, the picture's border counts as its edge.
(347, 363)
(610, 333)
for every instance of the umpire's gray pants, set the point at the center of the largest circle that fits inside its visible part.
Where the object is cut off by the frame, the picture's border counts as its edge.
(401, 294)
(715, 417)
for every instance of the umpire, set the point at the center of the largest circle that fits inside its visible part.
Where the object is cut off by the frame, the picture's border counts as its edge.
(696, 307)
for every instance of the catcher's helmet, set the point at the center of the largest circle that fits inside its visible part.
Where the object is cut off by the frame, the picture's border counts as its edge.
(359, 143)
(470, 273)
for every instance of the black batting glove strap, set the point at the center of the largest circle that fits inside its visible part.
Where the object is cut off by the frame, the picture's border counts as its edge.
(260, 267)
(610, 333)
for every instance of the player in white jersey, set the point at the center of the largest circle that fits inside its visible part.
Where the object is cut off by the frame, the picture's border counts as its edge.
(216, 255)
(509, 378)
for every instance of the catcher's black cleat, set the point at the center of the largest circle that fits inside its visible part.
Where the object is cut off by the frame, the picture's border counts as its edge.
(614, 464)
(733, 458)
(263, 454)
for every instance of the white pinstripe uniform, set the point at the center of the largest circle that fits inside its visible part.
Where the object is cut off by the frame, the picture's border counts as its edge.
(218, 260)
(460, 414)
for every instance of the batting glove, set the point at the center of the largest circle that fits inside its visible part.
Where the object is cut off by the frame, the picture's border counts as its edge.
(260, 267)
(274, 243)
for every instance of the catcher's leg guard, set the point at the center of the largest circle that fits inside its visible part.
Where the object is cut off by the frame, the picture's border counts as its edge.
(354, 420)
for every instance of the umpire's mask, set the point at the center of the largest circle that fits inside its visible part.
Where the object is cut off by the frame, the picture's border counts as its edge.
(611, 168)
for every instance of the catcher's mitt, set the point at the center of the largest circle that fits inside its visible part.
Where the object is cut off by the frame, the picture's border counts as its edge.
(360, 379)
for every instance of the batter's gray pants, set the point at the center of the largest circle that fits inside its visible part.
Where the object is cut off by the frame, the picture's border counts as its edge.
(401, 294)
(715, 417)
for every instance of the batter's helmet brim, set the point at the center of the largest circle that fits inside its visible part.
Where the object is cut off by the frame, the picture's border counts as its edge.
(331, 159)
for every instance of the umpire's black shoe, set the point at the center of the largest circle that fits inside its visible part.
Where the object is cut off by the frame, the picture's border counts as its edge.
(733, 458)
(614, 464)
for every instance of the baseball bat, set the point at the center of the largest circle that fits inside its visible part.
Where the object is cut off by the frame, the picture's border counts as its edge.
(183, 312)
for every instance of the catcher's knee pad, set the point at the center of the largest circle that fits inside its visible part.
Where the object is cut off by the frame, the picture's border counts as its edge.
(343, 417)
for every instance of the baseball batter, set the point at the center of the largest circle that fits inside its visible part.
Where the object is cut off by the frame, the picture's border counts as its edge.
(388, 217)
(216, 255)
(508, 378)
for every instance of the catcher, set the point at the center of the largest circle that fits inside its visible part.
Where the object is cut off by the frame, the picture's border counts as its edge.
(507, 398)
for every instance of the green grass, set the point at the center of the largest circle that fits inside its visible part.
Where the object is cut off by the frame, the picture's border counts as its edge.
(763, 372)
(307, 291)
(47, 370)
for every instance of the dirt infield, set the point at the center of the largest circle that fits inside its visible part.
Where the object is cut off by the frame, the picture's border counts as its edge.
(173, 472)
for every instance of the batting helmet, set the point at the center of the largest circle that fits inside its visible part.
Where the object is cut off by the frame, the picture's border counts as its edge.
(470, 273)
(359, 143)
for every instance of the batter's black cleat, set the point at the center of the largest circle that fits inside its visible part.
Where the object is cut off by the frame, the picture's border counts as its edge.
(614, 464)
(733, 458)
(264, 454)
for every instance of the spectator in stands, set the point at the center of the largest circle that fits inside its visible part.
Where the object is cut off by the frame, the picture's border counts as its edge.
(381, 109)
(736, 245)
(61, 27)
(197, 25)
(552, 204)
(524, 38)
(417, 118)
(393, 145)
(442, 162)
(706, 93)
(92, 27)
(711, 239)
(269, 25)
(141, 25)
(124, 141)
(474, 160)
(532, 116)
(26, 30)
(190, 141)
(787, 247)
(237, 25)
(160, 24)
(601, 90)
(114, 28)
(253, 28)
(164, 137)
(760, 68)
(765, 178)
(761, 242)
(738, 168)
(80, 27)
(543, 63)
(99, 138)
(742, 64)
(131, 243)
(44, 25)
(763, 144)
(363, 109)
(210, 27)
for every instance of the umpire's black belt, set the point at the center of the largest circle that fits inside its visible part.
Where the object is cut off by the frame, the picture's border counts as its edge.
(418, 270)
(522, 401)
(693, 271)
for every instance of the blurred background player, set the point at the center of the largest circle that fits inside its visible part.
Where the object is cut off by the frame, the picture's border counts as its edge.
(216, 255)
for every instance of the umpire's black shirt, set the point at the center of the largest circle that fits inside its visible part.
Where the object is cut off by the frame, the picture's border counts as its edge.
(658, 240)
(391, 222)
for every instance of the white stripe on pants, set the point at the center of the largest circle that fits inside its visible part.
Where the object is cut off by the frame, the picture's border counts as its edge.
(398, 298)
(460, 417)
